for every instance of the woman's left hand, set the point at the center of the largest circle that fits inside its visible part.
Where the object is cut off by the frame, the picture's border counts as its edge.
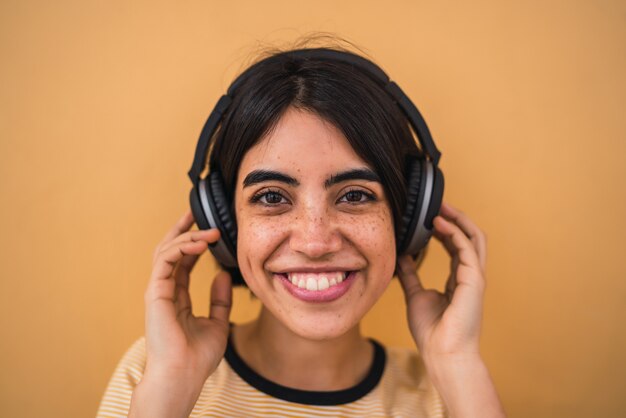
(448, 324)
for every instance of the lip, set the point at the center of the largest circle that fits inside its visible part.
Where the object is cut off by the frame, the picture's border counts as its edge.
(317, 296)
(317, 269)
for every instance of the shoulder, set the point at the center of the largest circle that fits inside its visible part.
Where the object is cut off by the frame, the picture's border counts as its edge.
(407, 365)
(127, 374)
(408, 384)
(133, 362)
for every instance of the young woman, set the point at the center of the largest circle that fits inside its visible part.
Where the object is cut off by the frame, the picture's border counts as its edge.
(313, 159)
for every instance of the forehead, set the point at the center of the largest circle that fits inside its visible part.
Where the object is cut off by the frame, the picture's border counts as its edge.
(302, 142)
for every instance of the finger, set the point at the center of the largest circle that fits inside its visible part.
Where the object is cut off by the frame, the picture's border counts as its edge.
(419, 258)
(209, 235)
(221, 297)
(182, 301)
(407, 274)
(466, 287)
(183, 224)
(167, 260)
(446, 241)
(474, 233)
(160, 290)
(181, 278)
(458, 246)
(451, 283)
(183, 269)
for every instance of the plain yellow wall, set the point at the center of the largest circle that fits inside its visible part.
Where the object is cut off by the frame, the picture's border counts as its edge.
(101, 103)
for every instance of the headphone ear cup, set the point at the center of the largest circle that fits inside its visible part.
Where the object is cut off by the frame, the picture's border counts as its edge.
(424, 197)
(409, 219)
(228, 225)
(208, 213)
(414, 190)
(196, 210)
(436, 197)
(210, 210)
(224, 217)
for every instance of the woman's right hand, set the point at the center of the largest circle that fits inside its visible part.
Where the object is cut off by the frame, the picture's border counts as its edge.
(182, 350)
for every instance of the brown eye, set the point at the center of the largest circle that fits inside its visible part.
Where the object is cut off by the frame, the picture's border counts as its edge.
(357, 196)
(272, 198)
(268, 198)
(354, 196)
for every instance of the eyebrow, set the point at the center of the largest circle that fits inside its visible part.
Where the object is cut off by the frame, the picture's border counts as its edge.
(354, 174)
(260, 176)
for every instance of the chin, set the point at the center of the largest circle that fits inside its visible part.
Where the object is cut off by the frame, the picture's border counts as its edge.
(311, 327)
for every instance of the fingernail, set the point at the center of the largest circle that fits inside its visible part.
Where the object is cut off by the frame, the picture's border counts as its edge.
(442, 219)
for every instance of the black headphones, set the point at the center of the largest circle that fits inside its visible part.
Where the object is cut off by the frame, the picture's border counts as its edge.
(425, 181)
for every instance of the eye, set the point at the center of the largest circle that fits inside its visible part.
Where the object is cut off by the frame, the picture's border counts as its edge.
(357, 196)
(268, 198)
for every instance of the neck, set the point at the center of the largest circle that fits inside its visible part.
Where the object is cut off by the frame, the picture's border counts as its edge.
(286, 358)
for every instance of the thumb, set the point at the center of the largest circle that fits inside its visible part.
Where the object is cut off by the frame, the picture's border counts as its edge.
(221, 297)
(407, 273)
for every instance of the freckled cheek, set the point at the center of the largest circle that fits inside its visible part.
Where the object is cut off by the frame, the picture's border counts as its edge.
(257, 239)
(374, 232)
(375, 238)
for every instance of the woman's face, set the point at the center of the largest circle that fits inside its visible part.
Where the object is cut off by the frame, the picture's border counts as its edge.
(315, 232)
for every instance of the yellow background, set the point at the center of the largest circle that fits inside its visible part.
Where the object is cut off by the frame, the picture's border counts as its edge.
(101, 103)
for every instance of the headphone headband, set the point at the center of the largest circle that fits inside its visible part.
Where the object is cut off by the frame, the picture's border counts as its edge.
(409, 109)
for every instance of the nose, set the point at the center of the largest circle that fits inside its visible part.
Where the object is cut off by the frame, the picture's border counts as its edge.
(314, 232)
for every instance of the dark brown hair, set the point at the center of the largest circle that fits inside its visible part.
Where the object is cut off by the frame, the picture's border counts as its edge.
(339, 93)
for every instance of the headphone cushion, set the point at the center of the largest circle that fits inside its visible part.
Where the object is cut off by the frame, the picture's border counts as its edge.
(414, 193)
(228, 225)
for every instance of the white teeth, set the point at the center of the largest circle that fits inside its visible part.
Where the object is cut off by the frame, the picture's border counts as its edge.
(316, 281)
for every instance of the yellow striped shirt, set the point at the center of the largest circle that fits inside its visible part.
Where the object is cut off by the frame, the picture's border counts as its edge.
(396, 386)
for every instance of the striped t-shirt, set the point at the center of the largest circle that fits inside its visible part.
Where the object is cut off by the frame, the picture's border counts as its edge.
(396, 386)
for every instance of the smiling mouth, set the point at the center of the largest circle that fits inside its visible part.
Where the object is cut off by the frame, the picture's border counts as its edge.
(316, 281)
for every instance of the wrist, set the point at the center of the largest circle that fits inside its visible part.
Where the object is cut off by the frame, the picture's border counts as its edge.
(464, 383)
(442, 368)
(163, 397)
